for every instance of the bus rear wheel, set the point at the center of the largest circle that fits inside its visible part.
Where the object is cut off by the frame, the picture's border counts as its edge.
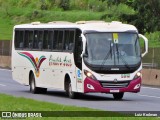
(33, 88)
(118, 96)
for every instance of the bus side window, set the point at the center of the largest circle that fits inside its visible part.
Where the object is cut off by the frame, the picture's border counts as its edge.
(55, 39)
(26, 39)
(30, 39)
(19, 35)
(50, 40)
(71, 40)
(35, 39)
(45, 41)
(40, 40)
(58, 40)
(66, 40)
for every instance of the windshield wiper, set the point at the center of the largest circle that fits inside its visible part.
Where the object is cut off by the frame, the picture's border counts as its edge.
(122, 58)
(135, 44)
(117, 52)
(107, 56)
(119, 56)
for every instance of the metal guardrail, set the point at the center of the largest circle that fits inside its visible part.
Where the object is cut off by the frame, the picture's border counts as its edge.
(150, 65)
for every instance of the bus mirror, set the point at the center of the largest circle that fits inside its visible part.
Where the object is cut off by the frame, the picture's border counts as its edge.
(146, 44)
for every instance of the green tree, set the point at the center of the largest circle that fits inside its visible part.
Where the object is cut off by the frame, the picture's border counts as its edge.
(147, 17)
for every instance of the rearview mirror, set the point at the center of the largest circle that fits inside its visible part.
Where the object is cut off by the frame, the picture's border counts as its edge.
(145, 44)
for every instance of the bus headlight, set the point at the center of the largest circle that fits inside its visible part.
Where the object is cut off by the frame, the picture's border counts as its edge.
(138, 74)
(89, 74)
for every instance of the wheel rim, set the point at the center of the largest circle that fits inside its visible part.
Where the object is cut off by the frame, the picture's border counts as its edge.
(70, 89)
(32, 84)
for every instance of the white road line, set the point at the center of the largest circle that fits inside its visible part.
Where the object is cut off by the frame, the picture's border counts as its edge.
(151, 88)
(5, 70)
(2, 85)
(149, 96)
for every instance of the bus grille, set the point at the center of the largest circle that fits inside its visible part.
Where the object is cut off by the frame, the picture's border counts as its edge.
(118, 84)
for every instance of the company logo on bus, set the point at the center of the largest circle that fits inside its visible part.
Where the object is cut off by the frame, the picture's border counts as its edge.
(60, 61)
(115, 80)
(36, 62)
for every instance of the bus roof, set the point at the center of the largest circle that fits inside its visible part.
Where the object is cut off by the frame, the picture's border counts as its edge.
(99, 26)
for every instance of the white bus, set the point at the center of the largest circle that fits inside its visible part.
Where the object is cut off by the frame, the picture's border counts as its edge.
(81, 57)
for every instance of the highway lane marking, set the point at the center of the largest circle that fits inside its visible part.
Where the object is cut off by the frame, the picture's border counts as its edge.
(5, 70)
(2, 85)
(151, 88)
(149, 96)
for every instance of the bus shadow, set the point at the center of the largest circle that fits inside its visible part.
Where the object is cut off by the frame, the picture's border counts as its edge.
(89, 97)
(57, 94)
(80, 96)
(83, 97)
(103, 97)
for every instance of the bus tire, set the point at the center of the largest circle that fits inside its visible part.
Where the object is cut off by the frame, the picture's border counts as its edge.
(118, 96)
(33, 88)
(70, 93)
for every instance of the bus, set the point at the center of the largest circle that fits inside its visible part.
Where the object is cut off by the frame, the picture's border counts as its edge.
(81, 57)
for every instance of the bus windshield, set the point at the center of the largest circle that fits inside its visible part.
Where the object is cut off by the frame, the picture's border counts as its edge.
(114, 49)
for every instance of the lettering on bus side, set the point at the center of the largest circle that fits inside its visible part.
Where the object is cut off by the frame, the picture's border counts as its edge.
(58, 61)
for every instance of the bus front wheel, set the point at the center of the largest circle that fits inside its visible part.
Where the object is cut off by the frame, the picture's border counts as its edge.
(70, 93)
(118, 96)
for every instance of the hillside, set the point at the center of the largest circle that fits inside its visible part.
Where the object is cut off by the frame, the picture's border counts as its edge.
(14, 12)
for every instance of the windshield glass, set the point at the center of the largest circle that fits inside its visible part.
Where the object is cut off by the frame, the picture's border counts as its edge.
(112, 49)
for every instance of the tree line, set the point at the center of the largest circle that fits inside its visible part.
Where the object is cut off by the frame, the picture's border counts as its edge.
(146, 15)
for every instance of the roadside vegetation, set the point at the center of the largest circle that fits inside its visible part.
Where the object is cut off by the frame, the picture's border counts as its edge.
(24, 104)
(144, 14)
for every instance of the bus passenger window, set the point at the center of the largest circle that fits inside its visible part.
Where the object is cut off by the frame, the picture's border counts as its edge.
(50, 39)
(58, 39)
(30, 39)
(69, 40)
(40, 40)
(66, 40)
(40, 45)
(71, 37)
(26, 40)
(45, 41)
(71, 46)
(21, 45)
(35, 42)
(55, 39)
(19, 36)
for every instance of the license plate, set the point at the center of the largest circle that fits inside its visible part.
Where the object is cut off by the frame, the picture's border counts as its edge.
(114, 91)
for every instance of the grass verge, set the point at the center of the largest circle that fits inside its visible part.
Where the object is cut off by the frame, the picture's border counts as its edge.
(10, 103)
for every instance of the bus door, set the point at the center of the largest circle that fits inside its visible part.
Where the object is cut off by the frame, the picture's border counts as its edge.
(78, 61)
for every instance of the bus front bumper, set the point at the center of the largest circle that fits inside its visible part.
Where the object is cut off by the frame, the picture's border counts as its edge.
(91, 85)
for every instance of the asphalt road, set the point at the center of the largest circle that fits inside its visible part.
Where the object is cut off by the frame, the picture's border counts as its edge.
(147, 100)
